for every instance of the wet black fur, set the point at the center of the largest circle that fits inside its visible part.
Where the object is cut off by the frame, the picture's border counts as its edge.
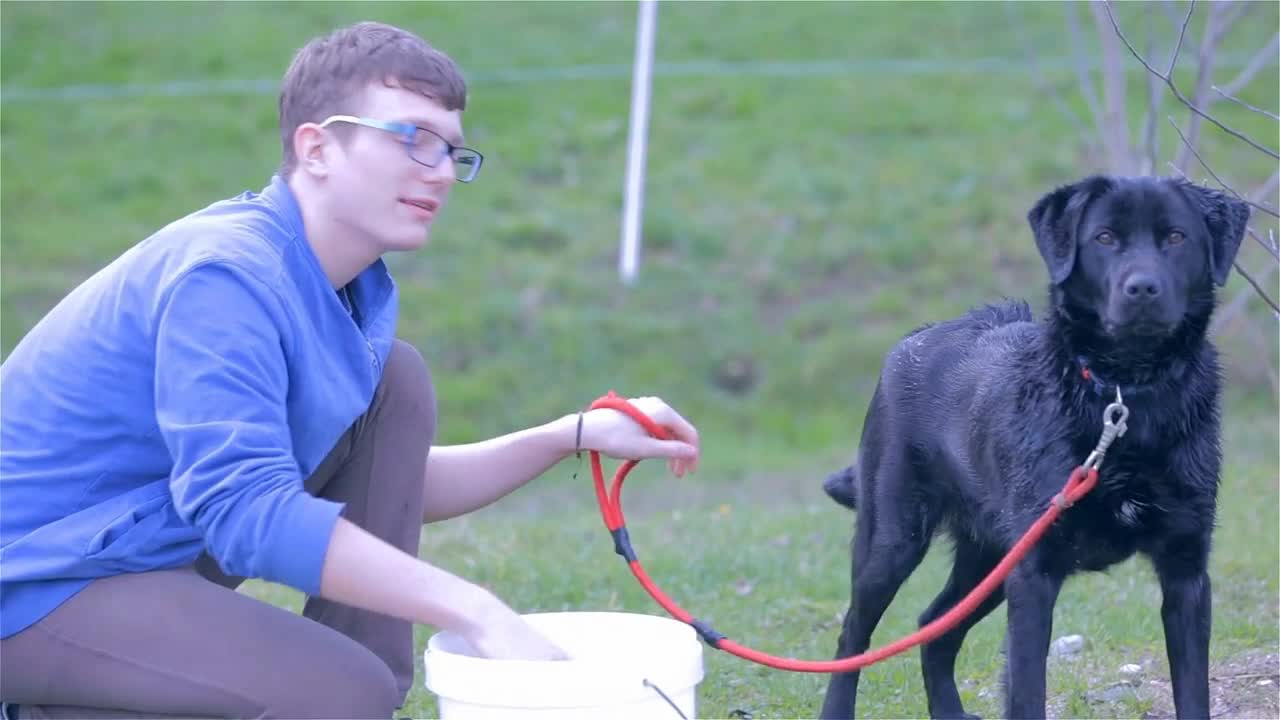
(977, 422)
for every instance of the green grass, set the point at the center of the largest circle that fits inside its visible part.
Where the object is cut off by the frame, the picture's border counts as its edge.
(796, 225)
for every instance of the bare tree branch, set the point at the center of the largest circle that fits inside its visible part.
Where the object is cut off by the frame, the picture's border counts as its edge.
(1208, 169)
(1270, 247)
(1204, 74)
(1178, 93)
(1182, 34)
(1231, 310)
(1266, 188)
(1115, 135)
(1242, 103)
(1263, 293)
(1259, 61)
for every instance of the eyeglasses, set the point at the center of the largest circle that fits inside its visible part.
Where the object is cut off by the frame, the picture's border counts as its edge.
(424, 146)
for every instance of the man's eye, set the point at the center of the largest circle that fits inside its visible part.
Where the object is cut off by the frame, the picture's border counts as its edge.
(1175, 238)
(424, 140)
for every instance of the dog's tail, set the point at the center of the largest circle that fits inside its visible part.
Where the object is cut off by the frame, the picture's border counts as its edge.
(840, 485)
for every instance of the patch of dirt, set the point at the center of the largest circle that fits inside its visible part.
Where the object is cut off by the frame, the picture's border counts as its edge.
(1245, 686)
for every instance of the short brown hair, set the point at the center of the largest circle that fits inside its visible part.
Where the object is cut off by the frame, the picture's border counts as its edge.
(329, 73)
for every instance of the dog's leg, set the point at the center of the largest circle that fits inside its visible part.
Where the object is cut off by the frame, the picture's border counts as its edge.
(938, 658)
(890, 540)
(1186, 613)
(876, 580)
(1032, 594)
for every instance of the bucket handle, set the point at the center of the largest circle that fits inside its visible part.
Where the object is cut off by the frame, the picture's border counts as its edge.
(650, 684)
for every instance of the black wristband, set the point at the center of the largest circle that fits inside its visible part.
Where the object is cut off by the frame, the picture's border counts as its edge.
(577, 443)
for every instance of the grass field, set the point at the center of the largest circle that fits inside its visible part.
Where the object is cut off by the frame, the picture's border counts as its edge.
(822, 177)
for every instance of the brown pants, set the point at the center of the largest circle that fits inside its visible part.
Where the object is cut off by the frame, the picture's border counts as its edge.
(184, 643)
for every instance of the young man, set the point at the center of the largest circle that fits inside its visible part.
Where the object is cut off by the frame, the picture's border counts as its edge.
(227, 400)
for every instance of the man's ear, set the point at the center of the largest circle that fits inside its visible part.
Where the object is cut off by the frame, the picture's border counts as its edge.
(1055, 219)
(309, 147)
(1226, 218)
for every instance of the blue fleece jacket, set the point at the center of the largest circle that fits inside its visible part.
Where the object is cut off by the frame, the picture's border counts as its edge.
(174, 403)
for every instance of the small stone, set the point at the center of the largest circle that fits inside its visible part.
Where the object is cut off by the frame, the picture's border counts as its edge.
(1264, 682)
(1132, 673)
(1112, 693)
(1068, 645)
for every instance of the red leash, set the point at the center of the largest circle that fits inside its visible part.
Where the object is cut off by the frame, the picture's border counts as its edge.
(1081, 482)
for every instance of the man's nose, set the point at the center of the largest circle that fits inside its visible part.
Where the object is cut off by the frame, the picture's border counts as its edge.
(1141, 285)
(442, 173)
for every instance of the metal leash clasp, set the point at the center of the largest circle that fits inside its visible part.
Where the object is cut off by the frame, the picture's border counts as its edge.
(1113, 426)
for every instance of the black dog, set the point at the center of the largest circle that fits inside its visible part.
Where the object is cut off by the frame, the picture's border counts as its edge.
(976, 423)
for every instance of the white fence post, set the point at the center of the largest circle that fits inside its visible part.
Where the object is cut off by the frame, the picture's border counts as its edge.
(633, 201)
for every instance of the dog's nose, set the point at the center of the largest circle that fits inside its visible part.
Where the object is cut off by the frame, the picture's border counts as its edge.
(1141, 286)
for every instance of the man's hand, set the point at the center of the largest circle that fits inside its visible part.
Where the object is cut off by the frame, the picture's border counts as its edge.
(615, 434)
(504, 635)
(364, 571)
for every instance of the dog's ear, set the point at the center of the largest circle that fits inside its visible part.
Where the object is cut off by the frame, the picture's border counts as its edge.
(1055, 219)
(1226, 218)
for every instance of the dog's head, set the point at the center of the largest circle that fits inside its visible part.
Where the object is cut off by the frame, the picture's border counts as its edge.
(1139, 253)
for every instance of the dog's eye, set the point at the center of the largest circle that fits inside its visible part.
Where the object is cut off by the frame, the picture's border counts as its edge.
(1105, 237)
(1175, 238)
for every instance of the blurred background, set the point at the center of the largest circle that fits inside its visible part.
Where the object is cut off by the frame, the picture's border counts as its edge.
(821, 178)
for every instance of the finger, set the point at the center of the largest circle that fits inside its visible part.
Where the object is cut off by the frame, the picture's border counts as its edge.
(680, 428)
(665, 415)
(671, 449)
(687, 466)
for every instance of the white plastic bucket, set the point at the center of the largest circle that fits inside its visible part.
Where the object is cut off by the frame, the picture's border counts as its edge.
(619, 662)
